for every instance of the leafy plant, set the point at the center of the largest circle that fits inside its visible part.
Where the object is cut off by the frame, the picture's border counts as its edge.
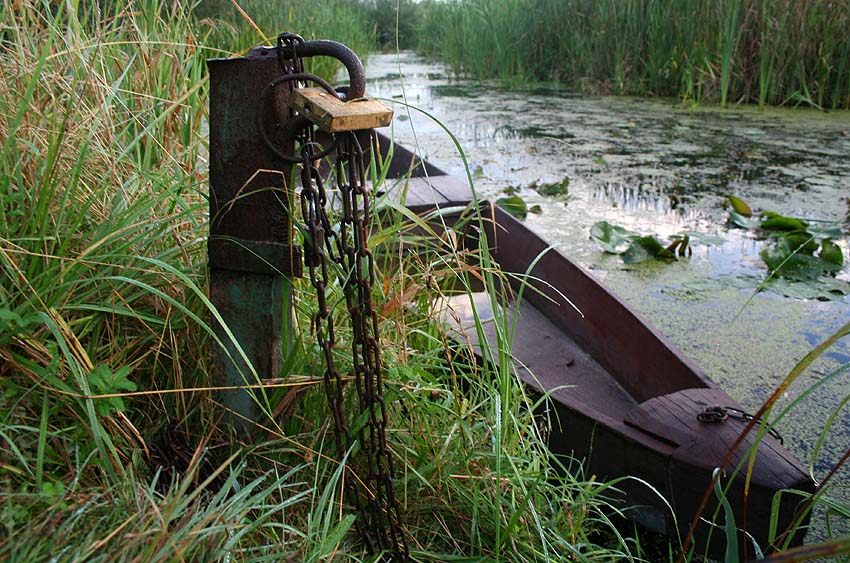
(613, 239)
(795, 249)
(636, 248)
(553, 189)
(104, 381)
(647, 248)
(517, 206)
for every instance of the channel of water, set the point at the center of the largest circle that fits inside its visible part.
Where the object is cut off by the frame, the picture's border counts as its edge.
(658, 167)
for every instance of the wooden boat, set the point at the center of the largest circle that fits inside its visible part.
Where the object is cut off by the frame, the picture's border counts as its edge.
(623, 398)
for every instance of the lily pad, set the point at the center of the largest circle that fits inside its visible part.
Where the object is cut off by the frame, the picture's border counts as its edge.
(553, 189)
(831, 252)
(514, 205)
(775, 222)
(613, 239)
(646, 248)
(801, 241)
(739, 220)
(701, 238)
(791, 259)
(739, 206)
(833, 232)
(822, 289)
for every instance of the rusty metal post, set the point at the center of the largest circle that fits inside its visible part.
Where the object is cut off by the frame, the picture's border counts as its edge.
(251, 255)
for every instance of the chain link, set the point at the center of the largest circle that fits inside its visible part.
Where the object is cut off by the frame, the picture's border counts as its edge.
(341, 253)
(315, 219)
(379, 522)
(715, 414)
(359, 262)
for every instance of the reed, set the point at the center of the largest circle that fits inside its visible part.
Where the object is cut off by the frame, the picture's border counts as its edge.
(774, 52)
(241, 25)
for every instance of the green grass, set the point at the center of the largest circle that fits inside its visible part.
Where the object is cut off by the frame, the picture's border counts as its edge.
(112, 443)
(767, 52)
(112, 446)
(242, 25)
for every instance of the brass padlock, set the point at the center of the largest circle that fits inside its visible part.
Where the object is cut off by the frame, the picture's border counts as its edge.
(334, 115)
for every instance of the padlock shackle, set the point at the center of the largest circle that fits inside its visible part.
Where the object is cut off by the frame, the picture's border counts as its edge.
(335, 50)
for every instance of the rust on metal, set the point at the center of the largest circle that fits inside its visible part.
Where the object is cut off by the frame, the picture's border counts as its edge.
(292, 47)
(251, 256)
(250, 250)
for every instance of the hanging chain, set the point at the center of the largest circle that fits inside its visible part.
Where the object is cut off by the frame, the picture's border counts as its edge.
(379, 515)
(313, 213)
(359, 262)
(342, 253)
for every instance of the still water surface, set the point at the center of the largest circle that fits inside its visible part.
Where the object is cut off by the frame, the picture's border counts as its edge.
(658, 167)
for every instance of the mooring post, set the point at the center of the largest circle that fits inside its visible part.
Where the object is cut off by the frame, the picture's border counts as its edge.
(251, 255)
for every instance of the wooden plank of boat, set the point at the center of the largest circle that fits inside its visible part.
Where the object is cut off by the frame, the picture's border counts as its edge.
(422, 193)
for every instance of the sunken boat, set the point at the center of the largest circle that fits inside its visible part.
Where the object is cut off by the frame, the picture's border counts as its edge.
(621, 397)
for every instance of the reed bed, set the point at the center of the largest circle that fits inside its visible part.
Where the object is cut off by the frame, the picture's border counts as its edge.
(244, 24)
(772, 52)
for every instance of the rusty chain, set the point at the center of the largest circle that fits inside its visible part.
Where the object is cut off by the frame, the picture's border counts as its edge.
(717, 414)
(341, 253)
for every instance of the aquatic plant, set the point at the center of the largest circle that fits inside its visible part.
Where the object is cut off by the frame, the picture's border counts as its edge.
(636, 248)
(796, 249)
(773, 52)
(803, 254)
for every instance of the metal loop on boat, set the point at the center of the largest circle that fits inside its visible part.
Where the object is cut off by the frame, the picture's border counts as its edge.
(716, 413)
(713, 414)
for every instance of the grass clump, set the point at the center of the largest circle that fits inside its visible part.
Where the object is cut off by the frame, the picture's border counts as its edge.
(775, 52)
(112, 443)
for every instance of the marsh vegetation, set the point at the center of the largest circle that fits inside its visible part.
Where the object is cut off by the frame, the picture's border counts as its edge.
(113, 442)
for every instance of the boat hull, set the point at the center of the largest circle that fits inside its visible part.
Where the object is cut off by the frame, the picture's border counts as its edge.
(627, 403)
(621, 398)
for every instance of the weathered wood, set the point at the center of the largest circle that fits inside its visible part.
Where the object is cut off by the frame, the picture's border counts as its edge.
(335, 116)
(547, 359)
(422, 194)
(646, 364)
(404, 162)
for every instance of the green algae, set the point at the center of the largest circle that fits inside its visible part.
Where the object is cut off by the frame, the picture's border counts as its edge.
(655, 167)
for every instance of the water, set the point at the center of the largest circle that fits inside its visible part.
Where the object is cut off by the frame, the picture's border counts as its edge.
(656, 167)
